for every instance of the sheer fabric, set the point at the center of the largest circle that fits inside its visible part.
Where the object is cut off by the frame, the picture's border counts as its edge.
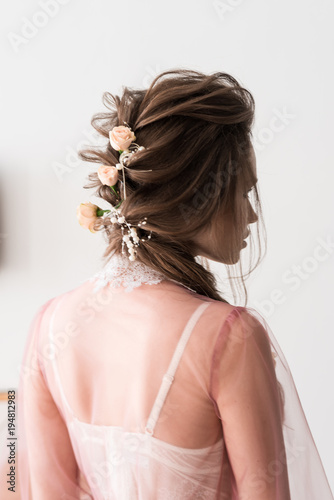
(135, 387)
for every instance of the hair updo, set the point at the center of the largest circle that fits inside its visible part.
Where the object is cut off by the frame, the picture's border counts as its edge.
(196, 131)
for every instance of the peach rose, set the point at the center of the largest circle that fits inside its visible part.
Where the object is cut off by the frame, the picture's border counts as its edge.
(121, 137)
(108, 175)
(86, 213)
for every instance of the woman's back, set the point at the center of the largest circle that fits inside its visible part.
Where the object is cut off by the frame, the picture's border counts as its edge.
(142, 387)
(105, 355)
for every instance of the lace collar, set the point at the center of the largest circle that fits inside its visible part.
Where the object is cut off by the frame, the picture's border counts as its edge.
(120, 271)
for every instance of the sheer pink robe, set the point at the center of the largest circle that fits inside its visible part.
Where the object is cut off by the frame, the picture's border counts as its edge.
(149, 391)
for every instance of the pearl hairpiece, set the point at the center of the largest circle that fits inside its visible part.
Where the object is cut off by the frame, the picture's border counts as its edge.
(131, 239)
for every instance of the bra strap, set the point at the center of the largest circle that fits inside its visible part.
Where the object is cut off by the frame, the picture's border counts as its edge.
(169, 375)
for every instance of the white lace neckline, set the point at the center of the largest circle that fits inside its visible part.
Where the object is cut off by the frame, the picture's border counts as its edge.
(120, 271)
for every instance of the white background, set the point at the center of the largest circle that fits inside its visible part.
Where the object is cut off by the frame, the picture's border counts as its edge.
(52, 80)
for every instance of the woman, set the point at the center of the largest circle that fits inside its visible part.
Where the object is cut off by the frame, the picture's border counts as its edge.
(144, 382)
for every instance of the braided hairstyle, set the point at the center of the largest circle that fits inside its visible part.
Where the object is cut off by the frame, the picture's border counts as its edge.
(196, 131)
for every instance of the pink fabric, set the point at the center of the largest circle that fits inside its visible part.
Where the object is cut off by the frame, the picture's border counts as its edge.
(223, 429)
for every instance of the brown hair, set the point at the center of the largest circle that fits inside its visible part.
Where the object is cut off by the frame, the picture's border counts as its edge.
(196, 130)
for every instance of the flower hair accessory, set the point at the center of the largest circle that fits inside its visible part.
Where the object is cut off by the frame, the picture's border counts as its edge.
(122, 140)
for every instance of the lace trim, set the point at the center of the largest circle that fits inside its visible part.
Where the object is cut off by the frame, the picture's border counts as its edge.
(120, 271)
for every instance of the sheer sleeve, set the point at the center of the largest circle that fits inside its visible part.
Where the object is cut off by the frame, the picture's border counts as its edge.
(46, 463)
(269, 444)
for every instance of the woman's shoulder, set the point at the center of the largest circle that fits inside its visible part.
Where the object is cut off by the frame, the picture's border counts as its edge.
(227, 320)
(56, 309)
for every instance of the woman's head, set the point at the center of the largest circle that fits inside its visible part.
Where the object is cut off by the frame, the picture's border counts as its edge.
(224, 236)
(191, 179)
